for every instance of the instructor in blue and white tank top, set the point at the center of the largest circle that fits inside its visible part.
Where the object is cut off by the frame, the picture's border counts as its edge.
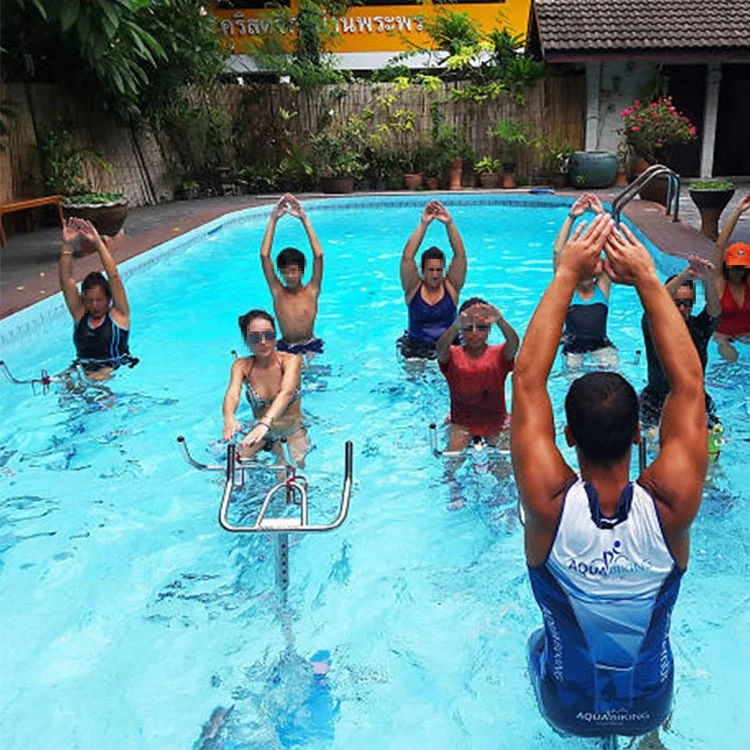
(585, 331)
(431, 298)
(606, 555)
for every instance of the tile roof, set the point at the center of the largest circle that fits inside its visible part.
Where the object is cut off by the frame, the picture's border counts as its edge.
(646, 25)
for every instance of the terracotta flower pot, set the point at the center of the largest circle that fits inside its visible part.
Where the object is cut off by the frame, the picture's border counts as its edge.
(432, 183)
(413, 181)
(489, 180)
(509, 180)
(455, 168)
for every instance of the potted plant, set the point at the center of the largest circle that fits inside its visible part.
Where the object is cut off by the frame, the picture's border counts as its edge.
(555, 152)
(453, 148)
(650, 129)
(511, 137)
(711, 197)
(63, 166)
(411, 165)
(337, 153)
(487, 168)
(189, 190)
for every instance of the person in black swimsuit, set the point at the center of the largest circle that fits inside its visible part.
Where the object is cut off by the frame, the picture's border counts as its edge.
(101, 312)
(431, 298)
(272, 386)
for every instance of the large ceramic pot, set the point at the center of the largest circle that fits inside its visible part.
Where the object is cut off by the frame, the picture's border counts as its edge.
(489, 180)
(592, 169)
(108, 218)
(337, 184)
(710, 204)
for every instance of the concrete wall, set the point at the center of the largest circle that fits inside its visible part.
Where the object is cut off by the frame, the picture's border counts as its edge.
(612, 86)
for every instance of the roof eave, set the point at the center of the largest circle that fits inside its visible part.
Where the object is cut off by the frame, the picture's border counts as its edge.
(552, 56)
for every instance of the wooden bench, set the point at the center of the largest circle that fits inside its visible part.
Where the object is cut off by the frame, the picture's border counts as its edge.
(9, 208)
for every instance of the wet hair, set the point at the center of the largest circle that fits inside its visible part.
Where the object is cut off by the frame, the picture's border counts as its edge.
(290, 256)
(432, 253)
(96, 279)
(470, 303)
(602, 413)
(245, 320)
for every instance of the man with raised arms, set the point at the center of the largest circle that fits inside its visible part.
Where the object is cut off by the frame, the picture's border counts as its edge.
(295, 303)
(431, 298)
(606, 555)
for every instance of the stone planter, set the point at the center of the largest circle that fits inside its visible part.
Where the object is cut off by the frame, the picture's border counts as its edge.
(711, 203)
(489, 180)
(337, 184)
(413, 181)
(592, 169)
(108, 218)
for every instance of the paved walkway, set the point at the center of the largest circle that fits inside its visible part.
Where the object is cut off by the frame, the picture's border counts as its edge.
(28, 264)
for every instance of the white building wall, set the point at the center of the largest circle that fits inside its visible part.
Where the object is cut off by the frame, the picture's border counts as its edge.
(619, 84)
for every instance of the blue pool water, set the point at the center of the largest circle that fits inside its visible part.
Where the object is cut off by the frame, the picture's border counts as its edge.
(129, 615)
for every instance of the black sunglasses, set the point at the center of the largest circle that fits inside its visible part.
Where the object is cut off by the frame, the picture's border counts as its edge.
(684, 302)
(476, 327)
(256, 338)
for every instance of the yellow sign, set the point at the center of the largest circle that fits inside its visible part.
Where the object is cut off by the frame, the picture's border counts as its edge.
(381, 28)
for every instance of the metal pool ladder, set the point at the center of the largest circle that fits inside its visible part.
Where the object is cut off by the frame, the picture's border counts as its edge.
(294, 489)
(657, 170)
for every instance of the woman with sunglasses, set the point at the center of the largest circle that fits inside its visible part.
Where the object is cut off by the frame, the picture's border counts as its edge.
(476, 373)
(272, 386)
(681, 287)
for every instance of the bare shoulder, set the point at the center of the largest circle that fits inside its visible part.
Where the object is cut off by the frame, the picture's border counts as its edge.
(241, 366)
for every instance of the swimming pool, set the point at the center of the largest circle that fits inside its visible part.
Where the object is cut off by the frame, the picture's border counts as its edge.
(129, 614)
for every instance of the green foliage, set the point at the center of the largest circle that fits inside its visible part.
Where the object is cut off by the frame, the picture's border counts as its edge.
(450, 142)
(711, 185)
(199, 133)
(94, 199)
(487, 165)
(511, 136)
(311, 64)
(128, 56)
(63, 164)
(492, 63)
(554, 151)
(338, 149)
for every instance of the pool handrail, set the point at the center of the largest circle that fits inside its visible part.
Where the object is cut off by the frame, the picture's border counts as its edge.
(292, 484)
(656, 170)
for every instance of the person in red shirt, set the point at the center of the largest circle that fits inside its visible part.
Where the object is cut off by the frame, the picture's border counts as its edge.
(476, 373)
(732, 279)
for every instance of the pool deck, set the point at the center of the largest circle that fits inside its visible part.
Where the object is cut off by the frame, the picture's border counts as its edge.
(28, 263)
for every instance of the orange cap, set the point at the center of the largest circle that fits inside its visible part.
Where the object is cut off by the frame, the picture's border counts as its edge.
(738, 254)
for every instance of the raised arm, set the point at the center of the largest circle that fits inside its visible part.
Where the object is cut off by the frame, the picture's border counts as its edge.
(723, 239)
(512, 341)
(676, 476)
(232, 399)
(409, 273)
(577, 210)
(289, 383)
(444, 343)
(702, 270)
(65, 271)
(119, 297)
(456, 274)
(540, 470)
(274, 285)
(294, 207)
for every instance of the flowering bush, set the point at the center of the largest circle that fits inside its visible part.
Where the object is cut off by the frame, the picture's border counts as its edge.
(649, 127)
